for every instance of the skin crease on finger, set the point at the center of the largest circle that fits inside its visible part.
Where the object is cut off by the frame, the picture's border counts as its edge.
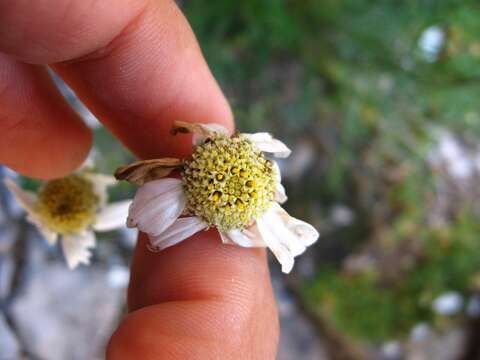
(138, 73)
(232, 314)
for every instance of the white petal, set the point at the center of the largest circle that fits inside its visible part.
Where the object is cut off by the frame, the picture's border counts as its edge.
(89, 163)
(247, 237)
(286, 236)
(280, 194)
(180, 230)
(49, 235)
(157, 205)
(76, 248)
(266, 143)
(27, 200)
(306, 233)
(100, 183)
(112, 216)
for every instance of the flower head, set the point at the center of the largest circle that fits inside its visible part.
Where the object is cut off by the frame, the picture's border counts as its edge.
(72, 207)
(67, 205)
(227, 183)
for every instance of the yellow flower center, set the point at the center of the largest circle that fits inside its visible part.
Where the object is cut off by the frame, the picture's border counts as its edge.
(67, 205)
(228, 182)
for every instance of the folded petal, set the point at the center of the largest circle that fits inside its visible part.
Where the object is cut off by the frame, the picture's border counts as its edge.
(286, 236)
(180, 230)
(246, 238)
(200, 131)
(305, 232)
(76, 248)
(112, 216)
(267, 143)
(156, 206)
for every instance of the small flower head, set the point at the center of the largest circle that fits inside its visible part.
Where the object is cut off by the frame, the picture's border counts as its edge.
(228, 183)
(67, 205)
(70, 209)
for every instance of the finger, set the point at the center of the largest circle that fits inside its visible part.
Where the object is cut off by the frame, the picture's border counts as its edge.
(41, 135)
(48, 31)
(216, 302)
(151, 74)
(136, 64)
(183, 270)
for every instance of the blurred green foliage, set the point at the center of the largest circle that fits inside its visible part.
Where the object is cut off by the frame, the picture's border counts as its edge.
(358, 81)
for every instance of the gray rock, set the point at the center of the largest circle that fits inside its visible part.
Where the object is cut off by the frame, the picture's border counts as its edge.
(9, 347)
(298, 339)
(446, 346)
(67, 314)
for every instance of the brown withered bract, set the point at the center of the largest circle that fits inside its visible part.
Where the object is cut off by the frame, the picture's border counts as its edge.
(143, 171)
(186, 127)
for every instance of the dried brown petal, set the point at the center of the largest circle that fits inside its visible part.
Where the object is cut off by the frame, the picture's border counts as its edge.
(143, 171)
(201, 132)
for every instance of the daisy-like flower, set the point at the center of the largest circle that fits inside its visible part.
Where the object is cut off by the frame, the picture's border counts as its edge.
(71, 209)
(228, 183)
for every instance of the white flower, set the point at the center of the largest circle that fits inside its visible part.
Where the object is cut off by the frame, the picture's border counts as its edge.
(448, 304)
(227, 183)
(71, 209)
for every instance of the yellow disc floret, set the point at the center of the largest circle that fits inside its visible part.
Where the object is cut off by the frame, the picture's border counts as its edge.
(67, 205)
(228, 182)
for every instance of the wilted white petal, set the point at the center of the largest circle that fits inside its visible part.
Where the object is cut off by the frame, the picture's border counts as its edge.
(306, 233)
(112, 216)
(281, 252)
(280, 195)
(267, 143)
(100, 183)
(180, 230)
(247, 237)
(27, 200)
(157, 204)
(76, 248)
(286, 236)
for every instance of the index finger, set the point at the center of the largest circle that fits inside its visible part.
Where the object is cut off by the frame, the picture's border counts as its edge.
(135, 63)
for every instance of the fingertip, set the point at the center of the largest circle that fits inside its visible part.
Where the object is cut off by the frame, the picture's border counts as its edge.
(201, 267)
(201, 329)
(42, 136)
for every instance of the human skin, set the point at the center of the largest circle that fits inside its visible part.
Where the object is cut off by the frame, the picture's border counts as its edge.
(137, 66)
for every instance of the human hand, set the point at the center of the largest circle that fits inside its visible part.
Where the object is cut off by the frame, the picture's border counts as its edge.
(137, 66)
